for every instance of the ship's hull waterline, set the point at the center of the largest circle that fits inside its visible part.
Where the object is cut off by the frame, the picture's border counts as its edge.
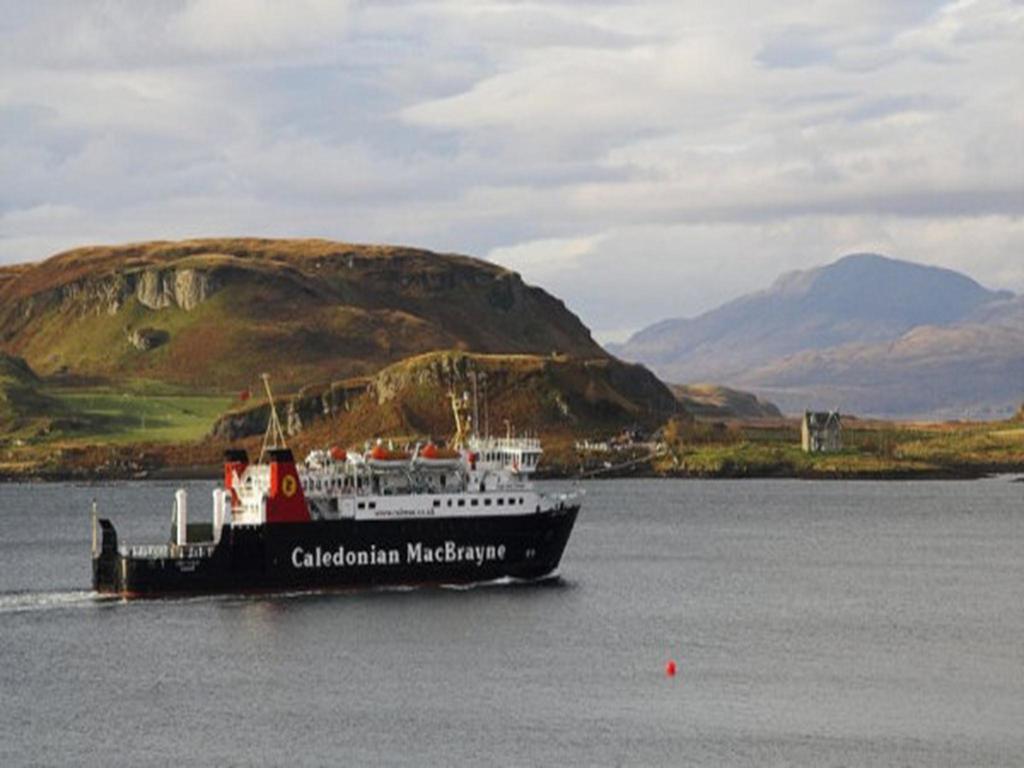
(340, 554)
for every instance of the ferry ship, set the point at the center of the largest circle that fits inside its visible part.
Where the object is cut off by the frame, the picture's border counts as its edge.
(346, 520)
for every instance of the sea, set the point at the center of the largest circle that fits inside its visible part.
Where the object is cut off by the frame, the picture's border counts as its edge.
(811, 623)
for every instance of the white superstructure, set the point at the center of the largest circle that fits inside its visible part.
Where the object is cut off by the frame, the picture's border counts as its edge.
(491, 476)
(481, 476)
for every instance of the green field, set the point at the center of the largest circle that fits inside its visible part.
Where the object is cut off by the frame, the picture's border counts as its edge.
(876, 449)
(98, 416)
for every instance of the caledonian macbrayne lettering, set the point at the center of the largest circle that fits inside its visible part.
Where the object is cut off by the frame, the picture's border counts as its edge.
(415, 552)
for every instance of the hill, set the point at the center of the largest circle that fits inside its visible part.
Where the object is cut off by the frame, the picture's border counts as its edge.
(716, 402)
(553, 396)
(21, 402)
(866, 334)
(211, 314)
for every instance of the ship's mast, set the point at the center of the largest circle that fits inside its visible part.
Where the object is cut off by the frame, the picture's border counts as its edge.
(459, 409)
(476, 406)
(274, 436)
(487, 418)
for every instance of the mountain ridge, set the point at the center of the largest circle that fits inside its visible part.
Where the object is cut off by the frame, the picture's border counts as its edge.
(868, 333)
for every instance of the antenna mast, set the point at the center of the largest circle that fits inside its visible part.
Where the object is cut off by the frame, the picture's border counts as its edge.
(487, 418)
(458, 411)
(274, 436)
(476, 406)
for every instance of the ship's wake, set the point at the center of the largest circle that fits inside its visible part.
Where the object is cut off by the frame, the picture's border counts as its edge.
(552, 579)
(23, 602)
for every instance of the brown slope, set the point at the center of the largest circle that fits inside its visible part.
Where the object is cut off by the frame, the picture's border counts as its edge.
(554, 396)
(216, 312)
(717, 402)
(10, 272)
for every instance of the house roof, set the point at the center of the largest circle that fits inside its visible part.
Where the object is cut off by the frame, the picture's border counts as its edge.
(822, 419)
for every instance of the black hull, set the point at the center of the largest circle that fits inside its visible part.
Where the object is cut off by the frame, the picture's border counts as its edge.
(343, 555)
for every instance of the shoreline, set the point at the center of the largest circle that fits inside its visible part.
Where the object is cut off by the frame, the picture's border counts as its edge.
(215, 472)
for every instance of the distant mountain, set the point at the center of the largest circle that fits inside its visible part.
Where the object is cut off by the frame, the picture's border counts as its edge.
(213, 314)
(866, 334)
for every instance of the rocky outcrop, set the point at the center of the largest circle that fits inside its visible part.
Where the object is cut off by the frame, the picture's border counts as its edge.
(183, 288)
(442, 370)
(145, 339)
(298, 411)
(529, 391)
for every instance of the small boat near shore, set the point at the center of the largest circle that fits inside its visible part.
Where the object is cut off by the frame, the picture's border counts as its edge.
(344, 519)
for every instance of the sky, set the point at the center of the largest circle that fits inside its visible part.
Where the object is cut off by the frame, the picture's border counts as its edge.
(640, 160)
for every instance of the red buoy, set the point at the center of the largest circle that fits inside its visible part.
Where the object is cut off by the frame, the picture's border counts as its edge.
(670, 668)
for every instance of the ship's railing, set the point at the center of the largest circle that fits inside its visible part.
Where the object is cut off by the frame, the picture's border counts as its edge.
(562, 500)
(506, 443)
(165, 551)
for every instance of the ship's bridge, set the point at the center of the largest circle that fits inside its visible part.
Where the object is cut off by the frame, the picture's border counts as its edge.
(517, 454)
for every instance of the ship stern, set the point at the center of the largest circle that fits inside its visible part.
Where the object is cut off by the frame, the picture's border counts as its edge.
(104, 557)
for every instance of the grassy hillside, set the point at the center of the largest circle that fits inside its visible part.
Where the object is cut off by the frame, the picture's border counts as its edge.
(213, 314)
(716, 402)
(33, 412)
(21, 402)
(97, 416)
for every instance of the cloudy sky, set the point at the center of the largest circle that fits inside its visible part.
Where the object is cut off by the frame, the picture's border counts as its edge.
(641, 160)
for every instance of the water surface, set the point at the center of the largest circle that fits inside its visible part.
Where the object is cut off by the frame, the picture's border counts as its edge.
(814, 623)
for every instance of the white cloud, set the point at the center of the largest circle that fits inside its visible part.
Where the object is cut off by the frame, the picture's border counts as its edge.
(639, 159)
(251, 26)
